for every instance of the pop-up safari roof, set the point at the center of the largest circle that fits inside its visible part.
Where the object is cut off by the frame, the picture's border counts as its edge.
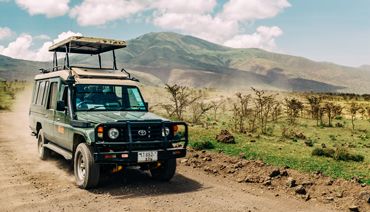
(87, 45)
(84, 45)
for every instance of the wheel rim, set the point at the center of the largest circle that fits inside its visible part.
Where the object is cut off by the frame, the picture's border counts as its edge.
(40, 145)
(81, 167)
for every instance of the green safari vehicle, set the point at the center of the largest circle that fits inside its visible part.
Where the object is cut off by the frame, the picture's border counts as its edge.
(97, 117)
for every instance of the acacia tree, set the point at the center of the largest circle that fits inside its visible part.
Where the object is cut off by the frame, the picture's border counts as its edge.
(241, 112)
(293, 109)
(199, 109)
(354, 108)
(181, 98)
(216, 105)
(314, 103)
(332, 111)
(276, 111)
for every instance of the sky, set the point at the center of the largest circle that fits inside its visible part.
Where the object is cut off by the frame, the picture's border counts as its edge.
(336, 31)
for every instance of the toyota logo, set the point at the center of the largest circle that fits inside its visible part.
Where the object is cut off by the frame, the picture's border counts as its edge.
(142, 132)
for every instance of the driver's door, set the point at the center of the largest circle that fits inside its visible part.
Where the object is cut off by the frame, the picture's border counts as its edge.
(62, 121)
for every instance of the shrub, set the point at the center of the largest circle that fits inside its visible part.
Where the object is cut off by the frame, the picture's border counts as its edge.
(201, 145)
(338, 118)
(344, 155)
(363, 137)
(327, 152)
(332, 137)
(338, 154)
(309, 142)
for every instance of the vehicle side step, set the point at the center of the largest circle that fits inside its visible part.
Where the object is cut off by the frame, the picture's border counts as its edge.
(66, 154)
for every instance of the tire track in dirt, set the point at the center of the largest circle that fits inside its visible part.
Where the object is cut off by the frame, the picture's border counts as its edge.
(29, 184)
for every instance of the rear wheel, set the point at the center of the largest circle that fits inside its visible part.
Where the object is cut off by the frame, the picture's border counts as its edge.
(166, 171)
(44, 153)
(87, 172)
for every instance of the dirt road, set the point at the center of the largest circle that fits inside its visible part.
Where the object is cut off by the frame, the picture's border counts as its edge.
(29, 184)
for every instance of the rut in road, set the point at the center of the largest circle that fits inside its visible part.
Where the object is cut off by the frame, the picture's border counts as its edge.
(29, 184)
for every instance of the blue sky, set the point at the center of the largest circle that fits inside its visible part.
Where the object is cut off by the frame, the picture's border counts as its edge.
(324, 30)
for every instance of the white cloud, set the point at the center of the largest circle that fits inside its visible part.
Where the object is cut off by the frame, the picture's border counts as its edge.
(203, 26)
(50, 8)
(185, 6)
(5, 32)
(97, 12)
(197, 18)
(242, 10)
(263, 38)
(225, 27)
(21, 48)
(42, 37)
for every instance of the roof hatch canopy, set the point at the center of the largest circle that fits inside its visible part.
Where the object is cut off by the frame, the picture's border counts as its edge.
(87, 45)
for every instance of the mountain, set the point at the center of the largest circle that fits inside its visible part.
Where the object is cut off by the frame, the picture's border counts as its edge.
(11, 69)
(173, 58)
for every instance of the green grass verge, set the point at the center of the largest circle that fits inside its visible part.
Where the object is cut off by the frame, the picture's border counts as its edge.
(294, 153)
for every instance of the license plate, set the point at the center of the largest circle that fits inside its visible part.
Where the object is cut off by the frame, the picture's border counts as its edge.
(148, 156)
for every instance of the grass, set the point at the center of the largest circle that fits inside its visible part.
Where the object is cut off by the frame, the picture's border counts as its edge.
(7, 93)
(279, 151)
(287, 145)
(202, 145)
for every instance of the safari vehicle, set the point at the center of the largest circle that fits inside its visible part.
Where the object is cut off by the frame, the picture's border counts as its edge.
(98, 118)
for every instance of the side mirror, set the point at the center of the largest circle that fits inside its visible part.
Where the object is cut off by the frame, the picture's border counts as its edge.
(61, 106)
(146, 104)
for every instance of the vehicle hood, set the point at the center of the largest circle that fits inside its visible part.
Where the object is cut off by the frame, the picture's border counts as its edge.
(116, 116)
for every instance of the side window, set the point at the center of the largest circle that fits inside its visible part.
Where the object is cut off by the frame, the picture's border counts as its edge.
(40, 93)
(134, 97)
(44, 96)
(52, 100)
(36, 91)
(65, 95)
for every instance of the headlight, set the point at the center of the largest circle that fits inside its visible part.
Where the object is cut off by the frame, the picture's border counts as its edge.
(165, 131)
(113, 133)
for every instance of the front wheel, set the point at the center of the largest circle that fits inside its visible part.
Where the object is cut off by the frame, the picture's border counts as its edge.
(166, 171)
(86, 171)
(44, 153)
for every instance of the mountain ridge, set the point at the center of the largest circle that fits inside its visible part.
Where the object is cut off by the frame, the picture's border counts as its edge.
(184, 59)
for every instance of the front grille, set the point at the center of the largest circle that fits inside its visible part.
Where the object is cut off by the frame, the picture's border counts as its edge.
(148, 132)
(139, 132)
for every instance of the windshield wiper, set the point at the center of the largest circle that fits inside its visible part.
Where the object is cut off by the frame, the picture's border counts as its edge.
(95, 107)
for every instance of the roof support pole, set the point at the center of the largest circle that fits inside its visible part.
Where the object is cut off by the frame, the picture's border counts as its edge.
(99, 56)
(66, 59)
(114, 61)
(55, 61)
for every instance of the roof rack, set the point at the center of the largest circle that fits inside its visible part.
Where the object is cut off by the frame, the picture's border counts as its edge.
(85, 45)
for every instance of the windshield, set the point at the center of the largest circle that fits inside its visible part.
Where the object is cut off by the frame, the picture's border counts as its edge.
(108, 98)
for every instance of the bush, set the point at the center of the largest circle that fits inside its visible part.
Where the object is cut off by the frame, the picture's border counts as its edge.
(344, 155)
(338, 154)
(338, 118)
(201, 145)
(309, 142)
(332, 137)
(327, 152)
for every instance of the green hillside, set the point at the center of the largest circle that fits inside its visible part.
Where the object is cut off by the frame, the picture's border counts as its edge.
(173, 58)
(11, 69)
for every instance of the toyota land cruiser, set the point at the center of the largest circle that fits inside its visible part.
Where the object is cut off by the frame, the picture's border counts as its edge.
(97, 117)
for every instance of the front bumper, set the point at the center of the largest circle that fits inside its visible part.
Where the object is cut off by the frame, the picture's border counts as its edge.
(131, 157)
(125, 152)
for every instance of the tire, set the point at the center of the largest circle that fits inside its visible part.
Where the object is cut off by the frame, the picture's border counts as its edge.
(44, 153)
(166, 171)
(86, 171)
